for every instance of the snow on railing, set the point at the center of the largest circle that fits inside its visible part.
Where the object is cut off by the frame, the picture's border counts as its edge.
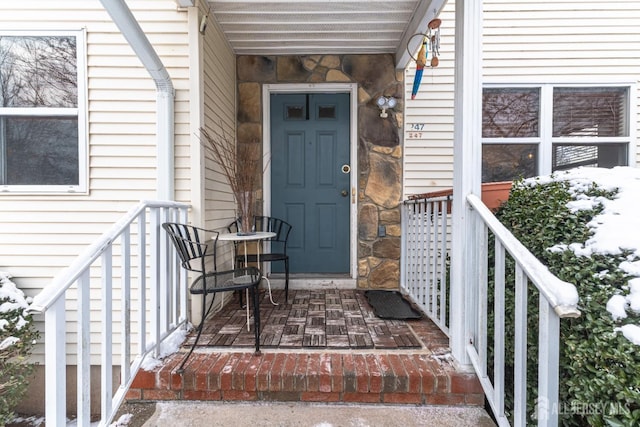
(154, 292)
(558, 299)
(425, 223)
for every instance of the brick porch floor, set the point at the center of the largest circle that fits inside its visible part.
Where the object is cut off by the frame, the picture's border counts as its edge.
(418, 373)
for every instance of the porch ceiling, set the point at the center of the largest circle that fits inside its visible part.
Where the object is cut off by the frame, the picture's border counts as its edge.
(294, 27)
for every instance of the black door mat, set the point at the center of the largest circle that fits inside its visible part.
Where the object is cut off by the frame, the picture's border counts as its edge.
(391, 305)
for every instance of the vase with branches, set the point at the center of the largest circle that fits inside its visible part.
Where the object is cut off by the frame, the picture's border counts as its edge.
(241, 164)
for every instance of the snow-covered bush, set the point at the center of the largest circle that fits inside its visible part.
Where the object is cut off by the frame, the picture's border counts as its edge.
(17, 337)
(583, 226)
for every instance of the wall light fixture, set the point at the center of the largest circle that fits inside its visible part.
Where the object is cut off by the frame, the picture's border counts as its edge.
(384, 103)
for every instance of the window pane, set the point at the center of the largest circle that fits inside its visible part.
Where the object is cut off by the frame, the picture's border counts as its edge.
(590, 112)
(38, 71)
(294, 112)
(506, 162)
(510, 112)
(595, 155)
(41, 151)
(327, 112)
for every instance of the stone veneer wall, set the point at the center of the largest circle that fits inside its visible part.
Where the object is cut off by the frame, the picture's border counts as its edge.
(379, 150)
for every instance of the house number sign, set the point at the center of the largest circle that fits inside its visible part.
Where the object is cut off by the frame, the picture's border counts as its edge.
(415, 130)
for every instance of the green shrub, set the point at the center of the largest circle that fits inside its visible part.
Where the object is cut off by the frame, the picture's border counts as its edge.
(599, 369)
(17, 337)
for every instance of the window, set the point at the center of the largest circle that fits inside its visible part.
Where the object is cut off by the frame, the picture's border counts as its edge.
(534, 130)
(42, 142)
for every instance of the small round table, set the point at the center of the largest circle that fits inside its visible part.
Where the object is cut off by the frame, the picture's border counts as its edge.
(257, 236)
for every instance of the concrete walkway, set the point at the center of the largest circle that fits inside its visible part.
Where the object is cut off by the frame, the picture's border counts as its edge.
(268, 414)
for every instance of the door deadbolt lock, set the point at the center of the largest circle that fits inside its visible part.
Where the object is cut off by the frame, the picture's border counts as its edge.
(346, 168)
(344, 193)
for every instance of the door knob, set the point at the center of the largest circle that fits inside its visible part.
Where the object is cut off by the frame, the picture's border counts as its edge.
(344, 193)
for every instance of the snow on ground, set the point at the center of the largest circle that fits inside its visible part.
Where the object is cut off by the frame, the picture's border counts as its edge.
(169, 346)
(615, 229)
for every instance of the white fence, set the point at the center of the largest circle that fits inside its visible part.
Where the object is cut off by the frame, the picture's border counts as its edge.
(161, 307)
(424, 278)
(425, 225)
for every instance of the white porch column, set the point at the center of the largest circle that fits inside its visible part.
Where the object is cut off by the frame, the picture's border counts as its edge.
(467, 154)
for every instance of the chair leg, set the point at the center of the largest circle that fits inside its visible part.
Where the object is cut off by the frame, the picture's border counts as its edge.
(286, 280)
(240, 298)
(240, 265)
(205, 312)
(181, 368)
(256, 317)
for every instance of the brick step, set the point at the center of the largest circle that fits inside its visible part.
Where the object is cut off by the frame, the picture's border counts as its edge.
(376, 377)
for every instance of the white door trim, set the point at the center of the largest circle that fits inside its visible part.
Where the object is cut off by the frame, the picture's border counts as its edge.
(352, 89)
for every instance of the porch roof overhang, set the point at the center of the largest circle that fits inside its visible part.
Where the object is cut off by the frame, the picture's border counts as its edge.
(294, 27)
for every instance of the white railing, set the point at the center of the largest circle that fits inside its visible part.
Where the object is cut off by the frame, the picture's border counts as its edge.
(425, 223)
(424, 279)
(154, 281)
(557, 299)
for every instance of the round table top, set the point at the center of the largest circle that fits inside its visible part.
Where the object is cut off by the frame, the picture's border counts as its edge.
(258, 235)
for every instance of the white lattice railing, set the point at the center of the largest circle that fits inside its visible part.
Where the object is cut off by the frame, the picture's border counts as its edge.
(425, 223)
(142, 269)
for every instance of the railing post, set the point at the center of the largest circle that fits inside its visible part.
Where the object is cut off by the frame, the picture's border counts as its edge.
(499, 330)
(125, 300)
(156, 319)
(548, 365)
(164, 296)
(420, 267)
(404, 236)
(55, 375)
(106, 359)
(520, 350)
(435, 215)
(183, 284)
(482, 248)
(83, 396)
(443, 288)
(142, 281)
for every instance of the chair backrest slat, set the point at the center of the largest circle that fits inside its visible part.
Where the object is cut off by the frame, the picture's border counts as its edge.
(191, 245)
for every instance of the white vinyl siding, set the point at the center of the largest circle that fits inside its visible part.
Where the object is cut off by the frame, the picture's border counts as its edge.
(214, 75)
(40, 235)
(592, 43)
(219, 88)
(428, 121)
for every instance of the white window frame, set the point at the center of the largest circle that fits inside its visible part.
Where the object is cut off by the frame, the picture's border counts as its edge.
(545, 140)
(80, 112)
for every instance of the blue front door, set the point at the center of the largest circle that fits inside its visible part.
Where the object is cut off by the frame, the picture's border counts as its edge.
(310, 184)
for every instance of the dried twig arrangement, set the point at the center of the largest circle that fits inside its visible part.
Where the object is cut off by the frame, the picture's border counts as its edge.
(241, 165)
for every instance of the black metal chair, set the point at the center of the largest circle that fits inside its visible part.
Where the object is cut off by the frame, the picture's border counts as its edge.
(199, 256)
(278, 245)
